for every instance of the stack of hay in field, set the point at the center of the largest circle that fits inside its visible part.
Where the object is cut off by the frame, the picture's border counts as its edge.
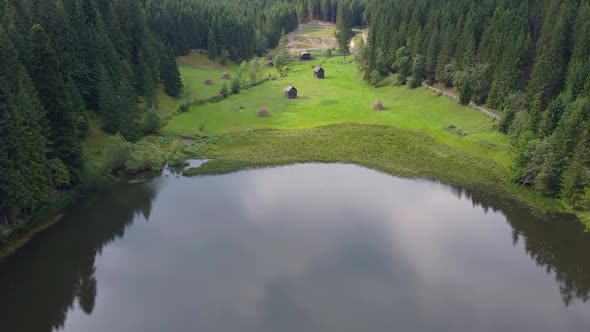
(262, 112)
(377, 105)
(226, 75)
(208, 81)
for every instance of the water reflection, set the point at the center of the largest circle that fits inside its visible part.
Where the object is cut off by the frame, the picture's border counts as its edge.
(300, 248)
(56, 272)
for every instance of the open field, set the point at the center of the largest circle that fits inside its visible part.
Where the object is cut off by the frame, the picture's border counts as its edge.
(344, 98)
(194, 69)
(314, 35)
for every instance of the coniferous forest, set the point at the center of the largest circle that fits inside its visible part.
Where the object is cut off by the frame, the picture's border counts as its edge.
(62, 59)
(528, 59)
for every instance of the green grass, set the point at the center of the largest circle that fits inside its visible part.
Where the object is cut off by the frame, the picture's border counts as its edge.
(318, 31)
(343, 97)
(194, 69)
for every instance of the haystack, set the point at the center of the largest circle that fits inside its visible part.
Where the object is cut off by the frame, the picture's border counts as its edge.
(208, 81)
(226, 75)
(262, 112)
(377, 105)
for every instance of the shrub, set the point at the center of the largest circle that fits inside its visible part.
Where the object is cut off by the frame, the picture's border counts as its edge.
(375, 77)
(183, 108)
(117, 153)
(144, 157)
(223, 57)
(236, 85)
(152, 121)
(224, 90)
(59, 175)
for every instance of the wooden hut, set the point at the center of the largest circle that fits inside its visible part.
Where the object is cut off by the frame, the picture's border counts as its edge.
(305, 55)
(269, 63)
(290, 92)
(318, 72)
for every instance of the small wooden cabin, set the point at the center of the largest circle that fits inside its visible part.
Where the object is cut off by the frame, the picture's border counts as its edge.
(269, 63)
(318, 72)
(290, 92)
(305, 55)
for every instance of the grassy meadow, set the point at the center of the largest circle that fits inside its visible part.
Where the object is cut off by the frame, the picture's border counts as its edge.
(195, 68)
(344, 98)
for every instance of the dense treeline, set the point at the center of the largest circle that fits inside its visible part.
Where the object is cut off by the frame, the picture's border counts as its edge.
(241, 28)
(64, 58)
(327, 10)
(529, 59)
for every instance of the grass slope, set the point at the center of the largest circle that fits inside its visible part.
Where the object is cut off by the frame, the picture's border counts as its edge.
(341, 98)
(194, 69)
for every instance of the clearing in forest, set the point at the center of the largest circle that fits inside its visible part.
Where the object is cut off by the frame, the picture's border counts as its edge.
(314, 35)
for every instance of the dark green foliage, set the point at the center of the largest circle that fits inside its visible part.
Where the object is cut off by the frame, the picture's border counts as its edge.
(224, 57)
(328, 10)
(23, 166)
(152, 121)
(170, 75)
(56, 96)
(575, 178)
(224, 90)
(418, 71)
(117, 153)
(344, 24)
(212, 48)
(62, 58)
(403, 65)
(506, 120)
(236, 85)
(375, 77)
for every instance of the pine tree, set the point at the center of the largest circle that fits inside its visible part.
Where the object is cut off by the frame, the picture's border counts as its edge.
(56, 97)
(23, 167)
(575, 177)
(170, 75)
(418, 71)
(212, 49)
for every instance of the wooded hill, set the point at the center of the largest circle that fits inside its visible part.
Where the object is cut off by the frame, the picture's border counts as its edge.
(64, 58)
(529, 59)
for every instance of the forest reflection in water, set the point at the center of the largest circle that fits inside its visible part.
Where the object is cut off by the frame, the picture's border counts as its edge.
(305, 233)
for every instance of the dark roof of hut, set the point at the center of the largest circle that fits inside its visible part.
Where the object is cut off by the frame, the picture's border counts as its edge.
(317, 69)
(304, 52)
(289, 88)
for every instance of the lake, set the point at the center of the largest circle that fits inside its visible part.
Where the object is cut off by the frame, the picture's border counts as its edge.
(307, 247)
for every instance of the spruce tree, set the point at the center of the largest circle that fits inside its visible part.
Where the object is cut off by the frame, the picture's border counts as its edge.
(212, 49)
(170, 75)
(23, 167)
(574, 182)
(56, 97)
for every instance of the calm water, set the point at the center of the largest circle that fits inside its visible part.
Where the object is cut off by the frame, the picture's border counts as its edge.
(303, 248)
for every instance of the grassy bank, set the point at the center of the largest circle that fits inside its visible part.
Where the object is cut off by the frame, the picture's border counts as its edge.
(392, 150)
